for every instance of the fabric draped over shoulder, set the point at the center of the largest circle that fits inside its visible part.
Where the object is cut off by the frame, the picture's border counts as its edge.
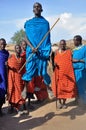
(35, 29)
(79, 53)
(15, 82)
(63, 81)
(3, 72)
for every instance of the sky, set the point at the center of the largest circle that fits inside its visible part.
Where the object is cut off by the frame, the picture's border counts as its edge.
(72, 13)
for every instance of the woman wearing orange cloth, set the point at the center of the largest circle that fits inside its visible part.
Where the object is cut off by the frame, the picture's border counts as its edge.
(63, 82)
(15, 82)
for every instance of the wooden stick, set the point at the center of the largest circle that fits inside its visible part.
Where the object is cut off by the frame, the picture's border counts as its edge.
(47, 34)
(39, 44)
(56, 89)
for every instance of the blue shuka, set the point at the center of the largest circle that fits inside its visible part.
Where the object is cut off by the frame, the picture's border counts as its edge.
(35, 29)
(3, 73)
(80, 71)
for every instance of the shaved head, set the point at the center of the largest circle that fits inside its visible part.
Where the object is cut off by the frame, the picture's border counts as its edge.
(37, 9)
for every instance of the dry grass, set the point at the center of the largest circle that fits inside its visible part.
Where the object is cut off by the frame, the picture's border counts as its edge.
(70, 43)
(10, 48)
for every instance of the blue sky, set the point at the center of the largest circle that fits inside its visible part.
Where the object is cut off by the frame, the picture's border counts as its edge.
(72, 13)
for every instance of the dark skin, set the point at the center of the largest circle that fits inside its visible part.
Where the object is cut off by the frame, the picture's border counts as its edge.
(77, 43)
(37, 9)
(2, 45)
(18, 55)
(62, 46)
(28, 43)
(23, 46)
(18, 51)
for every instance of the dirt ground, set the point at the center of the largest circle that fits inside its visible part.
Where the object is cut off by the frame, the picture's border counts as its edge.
(46, 117)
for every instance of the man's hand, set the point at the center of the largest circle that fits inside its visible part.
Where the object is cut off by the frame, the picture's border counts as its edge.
(55, 66)
(82, 61)
(34, 50)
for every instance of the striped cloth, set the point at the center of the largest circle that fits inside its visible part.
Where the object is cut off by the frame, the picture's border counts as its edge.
(63, 76)
(37, 86)
(42, 93)
(15, 82)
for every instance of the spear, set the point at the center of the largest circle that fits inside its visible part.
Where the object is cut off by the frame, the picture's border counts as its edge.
(39, 45)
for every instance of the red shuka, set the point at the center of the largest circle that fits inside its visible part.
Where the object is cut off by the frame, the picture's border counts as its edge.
(63, 76)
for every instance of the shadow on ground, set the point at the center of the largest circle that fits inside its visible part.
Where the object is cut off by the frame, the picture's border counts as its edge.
(24, 122)
(77, 110)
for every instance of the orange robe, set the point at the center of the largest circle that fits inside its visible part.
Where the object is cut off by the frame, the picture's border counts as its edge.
(15, 82)
(37, 82)
(42, 93)
(63, 81)
(23, 55)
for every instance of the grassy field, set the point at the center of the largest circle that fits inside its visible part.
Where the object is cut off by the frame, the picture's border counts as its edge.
(10, 47)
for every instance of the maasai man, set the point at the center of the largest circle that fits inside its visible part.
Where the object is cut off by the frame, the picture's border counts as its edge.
(63, 82)
(23, 53)
(40, 89)
(35, 29)
(15, 82)
(79, 58)
(30, 88)
(23, 48)
(3, 72)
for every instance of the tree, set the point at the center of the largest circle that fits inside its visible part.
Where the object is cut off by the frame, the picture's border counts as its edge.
(18, 37)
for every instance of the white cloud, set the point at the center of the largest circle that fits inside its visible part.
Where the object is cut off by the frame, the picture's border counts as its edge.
(68, 26)
(20, 23)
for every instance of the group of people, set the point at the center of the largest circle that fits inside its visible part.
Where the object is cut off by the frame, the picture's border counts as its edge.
(69, 72)
(69, 68)
(11, 82)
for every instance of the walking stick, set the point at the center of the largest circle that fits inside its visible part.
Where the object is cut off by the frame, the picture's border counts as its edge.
(39, 45)
(54, 72)
(56, 89)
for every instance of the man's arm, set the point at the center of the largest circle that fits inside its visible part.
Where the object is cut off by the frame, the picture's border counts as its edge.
(28, 42)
